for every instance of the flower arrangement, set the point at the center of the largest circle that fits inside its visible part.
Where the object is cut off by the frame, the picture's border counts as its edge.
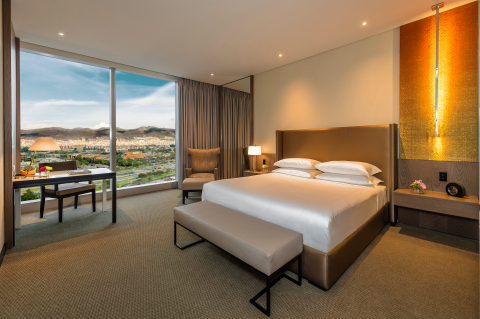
(418, 187)
(44, 171)
(265, 168)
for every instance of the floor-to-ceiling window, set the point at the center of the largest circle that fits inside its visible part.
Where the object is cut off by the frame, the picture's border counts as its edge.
(145, 129)
(69, 102)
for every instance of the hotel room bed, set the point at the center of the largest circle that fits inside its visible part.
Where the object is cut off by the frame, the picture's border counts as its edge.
(325, 212)
(337, 221)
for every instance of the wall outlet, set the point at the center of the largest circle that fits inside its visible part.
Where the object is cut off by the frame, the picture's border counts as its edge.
(443, 176)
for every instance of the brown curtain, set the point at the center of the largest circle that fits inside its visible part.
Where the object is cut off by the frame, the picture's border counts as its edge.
(236, 126)
(198, 110)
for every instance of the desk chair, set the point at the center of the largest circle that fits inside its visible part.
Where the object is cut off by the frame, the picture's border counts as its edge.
(61, 191)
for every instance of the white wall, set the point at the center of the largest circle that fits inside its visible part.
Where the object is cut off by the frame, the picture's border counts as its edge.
(357, 84)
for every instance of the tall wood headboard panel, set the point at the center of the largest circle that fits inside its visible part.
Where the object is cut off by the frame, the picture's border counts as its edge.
(374, 144)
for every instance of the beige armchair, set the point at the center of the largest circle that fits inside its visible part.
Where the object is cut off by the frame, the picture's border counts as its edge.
(204, 169)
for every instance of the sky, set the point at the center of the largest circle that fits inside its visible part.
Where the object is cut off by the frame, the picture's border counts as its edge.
(59, 93)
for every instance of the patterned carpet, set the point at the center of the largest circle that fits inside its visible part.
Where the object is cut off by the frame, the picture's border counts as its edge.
(87, 267)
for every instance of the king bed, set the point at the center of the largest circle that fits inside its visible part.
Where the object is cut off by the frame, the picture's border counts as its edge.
(337, 220)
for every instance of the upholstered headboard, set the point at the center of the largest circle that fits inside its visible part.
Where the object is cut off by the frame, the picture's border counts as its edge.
(374, 144)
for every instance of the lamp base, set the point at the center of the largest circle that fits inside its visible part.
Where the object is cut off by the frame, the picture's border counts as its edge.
(254, 163)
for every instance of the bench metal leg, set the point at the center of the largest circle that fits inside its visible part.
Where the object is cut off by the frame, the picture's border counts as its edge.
(297, 281)
(175, 239)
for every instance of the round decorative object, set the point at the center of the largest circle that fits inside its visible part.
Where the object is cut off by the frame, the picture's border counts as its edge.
(455, 189)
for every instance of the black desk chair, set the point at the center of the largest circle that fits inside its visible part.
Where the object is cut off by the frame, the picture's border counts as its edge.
(61, 191)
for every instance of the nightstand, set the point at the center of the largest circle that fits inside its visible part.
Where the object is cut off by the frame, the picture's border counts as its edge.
(250, 173)
(438, 211)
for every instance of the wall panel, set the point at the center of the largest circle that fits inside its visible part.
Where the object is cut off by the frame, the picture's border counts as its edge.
(458, 87)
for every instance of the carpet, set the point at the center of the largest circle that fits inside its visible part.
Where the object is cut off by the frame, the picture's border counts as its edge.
(87, 267)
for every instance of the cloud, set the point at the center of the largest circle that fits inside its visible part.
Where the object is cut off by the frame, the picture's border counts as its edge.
(161, 98)
(63, 103)
(103, 124)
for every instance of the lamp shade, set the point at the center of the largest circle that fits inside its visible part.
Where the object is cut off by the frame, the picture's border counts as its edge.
(254, 150)
(44, 144)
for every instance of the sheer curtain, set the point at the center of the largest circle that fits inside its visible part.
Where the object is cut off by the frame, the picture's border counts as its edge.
(236, 126)
(198, 124)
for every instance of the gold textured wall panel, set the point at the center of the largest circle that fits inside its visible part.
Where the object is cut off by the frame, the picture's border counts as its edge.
(458, 87)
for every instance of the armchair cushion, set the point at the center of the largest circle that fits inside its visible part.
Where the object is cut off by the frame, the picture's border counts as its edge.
(202, 175)
(204, 161)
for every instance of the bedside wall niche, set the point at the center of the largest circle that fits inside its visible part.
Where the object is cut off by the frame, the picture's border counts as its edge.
(269, 160)
(464, 173)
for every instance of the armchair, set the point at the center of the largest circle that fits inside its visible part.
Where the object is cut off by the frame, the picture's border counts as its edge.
(203, 170)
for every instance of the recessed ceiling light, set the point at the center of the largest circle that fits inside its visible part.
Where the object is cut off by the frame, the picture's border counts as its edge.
(211, 74)
(60, 33)
(364, 23)
(280, 55)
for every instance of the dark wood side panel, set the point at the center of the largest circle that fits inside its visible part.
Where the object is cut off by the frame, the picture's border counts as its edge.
(7, 122)
(444, 223)
(464, 173)
(17, 102)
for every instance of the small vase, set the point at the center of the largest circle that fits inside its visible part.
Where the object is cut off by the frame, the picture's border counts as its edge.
(43, 174)
(48, 174)
(265, 170)
(418, 190)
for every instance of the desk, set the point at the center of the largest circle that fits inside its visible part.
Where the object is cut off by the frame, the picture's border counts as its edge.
(62, 177)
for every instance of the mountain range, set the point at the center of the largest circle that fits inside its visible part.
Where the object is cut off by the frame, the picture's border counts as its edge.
(60, 133)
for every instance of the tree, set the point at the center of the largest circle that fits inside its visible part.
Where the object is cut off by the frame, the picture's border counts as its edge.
(29, 195)
(142, 175)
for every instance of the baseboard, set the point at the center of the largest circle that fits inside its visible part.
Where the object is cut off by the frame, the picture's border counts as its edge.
(2, 254)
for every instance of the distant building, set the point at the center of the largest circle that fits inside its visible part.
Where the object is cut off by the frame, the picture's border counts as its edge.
(133, 155)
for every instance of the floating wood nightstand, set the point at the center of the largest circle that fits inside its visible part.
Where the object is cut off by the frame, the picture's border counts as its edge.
(438, 211)
(251, 173)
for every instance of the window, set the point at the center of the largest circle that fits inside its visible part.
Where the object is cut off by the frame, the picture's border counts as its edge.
(69, 102)
(145, 130)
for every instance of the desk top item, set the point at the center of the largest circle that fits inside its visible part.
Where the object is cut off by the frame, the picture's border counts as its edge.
(455, 189)
(79, 172)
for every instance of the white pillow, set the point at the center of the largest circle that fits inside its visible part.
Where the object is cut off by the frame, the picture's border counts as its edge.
(299, 172)
(348, 168)
(350, 179)
(304, 163)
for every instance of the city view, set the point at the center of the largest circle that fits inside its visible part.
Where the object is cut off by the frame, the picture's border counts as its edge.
(144, 155)
(69, 102)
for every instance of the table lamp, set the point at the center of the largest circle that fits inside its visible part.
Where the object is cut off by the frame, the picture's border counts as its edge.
(254, 150)
(42, 144)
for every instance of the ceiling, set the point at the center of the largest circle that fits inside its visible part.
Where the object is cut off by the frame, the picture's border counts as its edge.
(195, 38)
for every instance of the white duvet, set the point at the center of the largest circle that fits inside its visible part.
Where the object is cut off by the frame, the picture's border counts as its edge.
(324, 212)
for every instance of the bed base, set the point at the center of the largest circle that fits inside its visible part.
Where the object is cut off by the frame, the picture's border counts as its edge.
(323, 270)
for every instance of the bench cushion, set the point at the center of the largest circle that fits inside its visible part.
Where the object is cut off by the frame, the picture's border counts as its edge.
(70, 188)
(263, 245)
(196, 183)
